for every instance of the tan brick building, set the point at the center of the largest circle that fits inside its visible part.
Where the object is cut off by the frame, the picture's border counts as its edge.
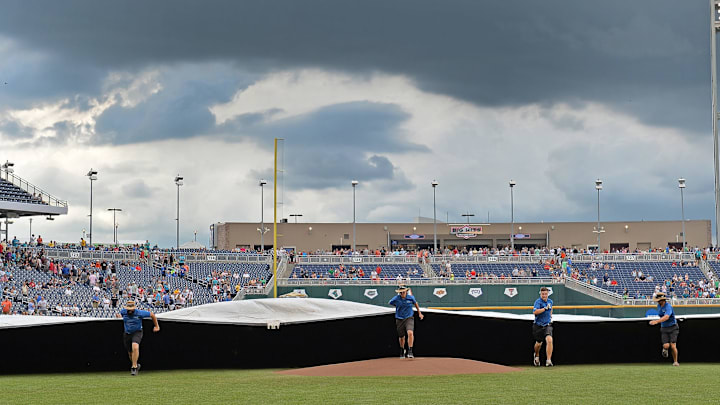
(312, 236)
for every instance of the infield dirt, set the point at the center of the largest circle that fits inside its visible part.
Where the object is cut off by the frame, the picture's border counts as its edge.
(400, 367)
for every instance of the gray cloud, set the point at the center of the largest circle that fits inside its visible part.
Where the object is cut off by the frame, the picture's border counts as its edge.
(137, 189)
(337, 143)
(490, 53)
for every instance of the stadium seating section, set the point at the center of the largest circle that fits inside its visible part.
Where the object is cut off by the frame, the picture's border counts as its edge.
(148, 277)
(13, 193)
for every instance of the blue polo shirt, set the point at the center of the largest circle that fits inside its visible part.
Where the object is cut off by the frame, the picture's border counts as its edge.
(133, 323)
(403, 306)
(667, 309)
(543, 319)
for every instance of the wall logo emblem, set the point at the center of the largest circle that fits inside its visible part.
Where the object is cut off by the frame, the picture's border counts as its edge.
(511, 292)
(371, 293)
(300, 291)
(335, 293)
(440, 292)
(475, 292)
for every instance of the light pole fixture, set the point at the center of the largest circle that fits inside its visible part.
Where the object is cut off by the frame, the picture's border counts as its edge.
(434, 185)
(296, 215)
(599, 230)
(714, 28)
(115, 236)
(354, 183)
(8, 168)
(681, 186)
(512, 216)
(92, 175)
(262, 229)
(468, 215)
(178, 183)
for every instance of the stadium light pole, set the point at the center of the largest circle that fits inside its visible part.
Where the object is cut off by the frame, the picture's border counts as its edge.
(714, 28)
(178, 183)
(434, 185)
(114, 210)
(512, 216)
(598, 187)
(30, 240)
(468, 215)
(263, 182)
(354, 183)
(8, 167)
(92, 175)
(296, 215)
(681, 186)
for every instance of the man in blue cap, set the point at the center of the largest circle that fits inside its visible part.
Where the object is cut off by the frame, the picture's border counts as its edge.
(404, 320)
(669, 328)
(542, 327)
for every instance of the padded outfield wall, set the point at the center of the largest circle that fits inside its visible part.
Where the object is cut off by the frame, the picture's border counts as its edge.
(515, 299)
(311, 332)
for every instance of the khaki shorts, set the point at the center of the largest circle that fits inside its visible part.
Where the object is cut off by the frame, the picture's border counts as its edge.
(404, 325)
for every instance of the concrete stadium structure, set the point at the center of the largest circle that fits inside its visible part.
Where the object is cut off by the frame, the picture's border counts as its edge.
(641, 235)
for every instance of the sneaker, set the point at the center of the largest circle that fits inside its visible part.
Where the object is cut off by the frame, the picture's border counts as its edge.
(402, 353)
(548, 363)
(664, 352)
(410, 354)
(133, 371)
(536, 361)
(138, 368)
(676, 364)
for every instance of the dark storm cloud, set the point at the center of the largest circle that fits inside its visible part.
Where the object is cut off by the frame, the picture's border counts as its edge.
(646, 58)
(179, 110)
(337, 143)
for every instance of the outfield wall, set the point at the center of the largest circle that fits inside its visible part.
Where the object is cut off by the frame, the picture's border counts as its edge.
(314, 332)
(493, 298)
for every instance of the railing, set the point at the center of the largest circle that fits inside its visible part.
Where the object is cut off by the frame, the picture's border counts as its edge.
(218, 257)
(675, 301)
(32, 189)
(594, 291)
(490, 259)
(89, 254)
(416, 281)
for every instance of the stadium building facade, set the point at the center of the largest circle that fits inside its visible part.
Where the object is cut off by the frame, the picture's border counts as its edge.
(632, 235)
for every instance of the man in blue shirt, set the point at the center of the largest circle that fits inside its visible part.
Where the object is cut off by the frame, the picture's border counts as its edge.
(404, 321)
(669, 328)
(542, 327)
(132, 319)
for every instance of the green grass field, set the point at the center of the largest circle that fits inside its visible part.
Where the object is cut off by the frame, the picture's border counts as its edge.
(606, 384)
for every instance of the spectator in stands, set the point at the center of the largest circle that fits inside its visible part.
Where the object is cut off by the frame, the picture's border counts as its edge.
(42, 305)
(669, 328)
(132, 320)
(6, 305)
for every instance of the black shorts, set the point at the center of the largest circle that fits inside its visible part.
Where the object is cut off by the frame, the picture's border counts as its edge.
(539, 332)
(669, 334)
(404, 325)
(130, 338)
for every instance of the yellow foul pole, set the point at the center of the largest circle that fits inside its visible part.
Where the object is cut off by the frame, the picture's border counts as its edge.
(275, 249)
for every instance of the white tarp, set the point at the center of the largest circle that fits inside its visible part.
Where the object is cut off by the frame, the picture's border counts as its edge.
(285, 310)
(297, 310)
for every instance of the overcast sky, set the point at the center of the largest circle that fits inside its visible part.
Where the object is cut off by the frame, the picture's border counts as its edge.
(552, 94)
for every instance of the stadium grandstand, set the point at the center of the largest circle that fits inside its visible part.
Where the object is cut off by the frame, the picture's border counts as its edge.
(68, 280)
(20, 198)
